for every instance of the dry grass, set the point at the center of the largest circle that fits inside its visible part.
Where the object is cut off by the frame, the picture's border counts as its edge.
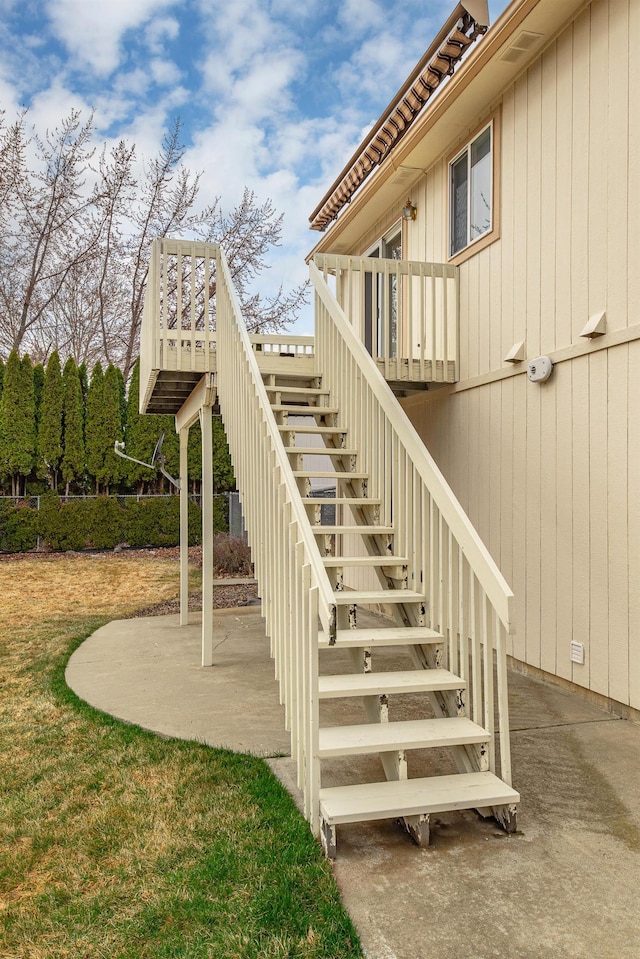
(115, 843)
(65, 587)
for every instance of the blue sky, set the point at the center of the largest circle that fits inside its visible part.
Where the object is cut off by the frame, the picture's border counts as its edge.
(273, 94)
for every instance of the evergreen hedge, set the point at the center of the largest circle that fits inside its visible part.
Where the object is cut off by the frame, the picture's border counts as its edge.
(18, 527)
(100, 523)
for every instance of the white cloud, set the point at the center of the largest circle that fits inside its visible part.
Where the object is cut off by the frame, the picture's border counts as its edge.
(54, 104)
(360, 16)
(92, 32)
(160, 30)
(164, 72)
(275, 94)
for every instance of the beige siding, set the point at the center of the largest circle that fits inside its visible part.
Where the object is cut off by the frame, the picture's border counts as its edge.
(550, 474)
(552, 484)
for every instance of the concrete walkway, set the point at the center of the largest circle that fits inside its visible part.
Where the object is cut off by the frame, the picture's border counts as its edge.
(567, 885)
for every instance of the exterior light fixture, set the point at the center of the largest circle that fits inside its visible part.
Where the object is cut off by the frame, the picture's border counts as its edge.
(409, 212)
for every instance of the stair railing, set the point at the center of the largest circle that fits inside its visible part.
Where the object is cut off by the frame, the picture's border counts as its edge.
(469, 601)
(293, 584)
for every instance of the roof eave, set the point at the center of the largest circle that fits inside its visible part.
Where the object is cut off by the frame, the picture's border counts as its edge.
(453, 112)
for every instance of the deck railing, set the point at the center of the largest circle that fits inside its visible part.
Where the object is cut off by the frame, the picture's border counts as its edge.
(404, 311)
(468, 598)
(294, 587)
(179, 317)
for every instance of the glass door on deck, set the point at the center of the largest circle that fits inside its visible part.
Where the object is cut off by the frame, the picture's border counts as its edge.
(382, 300)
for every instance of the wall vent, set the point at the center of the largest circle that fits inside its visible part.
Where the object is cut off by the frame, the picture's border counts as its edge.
(521, 45)
(405, 174)
(577, 653)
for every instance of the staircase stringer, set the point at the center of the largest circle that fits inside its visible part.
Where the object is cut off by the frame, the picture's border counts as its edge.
(469, 601)
(293, 584)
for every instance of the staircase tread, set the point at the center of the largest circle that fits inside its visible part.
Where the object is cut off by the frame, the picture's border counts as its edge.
(303, 428)
(410, 797)
(310, 390)
(321, 451)
(400, 680)
(341, 500)
(331, 474)
(407, 734)
(345, 597)
(362, 530)
(387, 560)
(302, 410)
(291, 373)
(385, 636)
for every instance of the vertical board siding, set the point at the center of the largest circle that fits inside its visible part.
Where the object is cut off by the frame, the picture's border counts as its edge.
(579, 240)
(550, 474)
(564, 517)
(617, 521)
(633, 521)
(552, 483)
(580, 609)
(617, 159)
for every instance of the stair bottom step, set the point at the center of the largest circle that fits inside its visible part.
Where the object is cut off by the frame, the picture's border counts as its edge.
(412, 797)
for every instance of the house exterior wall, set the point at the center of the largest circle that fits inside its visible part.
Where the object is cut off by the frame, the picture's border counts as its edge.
(550, 473)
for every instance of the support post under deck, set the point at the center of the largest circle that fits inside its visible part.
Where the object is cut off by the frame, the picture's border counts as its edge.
(184, 527)
(207, 535)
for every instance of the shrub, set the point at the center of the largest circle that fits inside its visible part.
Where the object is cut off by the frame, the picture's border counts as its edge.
(153, 522)
(195, 524)
(220, 513)
(231, 555)
(106, 526)
(18, 527)
(101, 523)
(63, 525)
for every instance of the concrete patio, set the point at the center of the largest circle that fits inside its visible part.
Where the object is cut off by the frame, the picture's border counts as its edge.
(566, 885)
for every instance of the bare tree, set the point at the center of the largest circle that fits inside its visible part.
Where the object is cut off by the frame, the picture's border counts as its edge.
(247, 235)
(76, 234)
(113, 195)
(47, 229)
(166, 198)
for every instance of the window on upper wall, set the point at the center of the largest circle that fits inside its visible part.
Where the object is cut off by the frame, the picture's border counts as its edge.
(471, 201)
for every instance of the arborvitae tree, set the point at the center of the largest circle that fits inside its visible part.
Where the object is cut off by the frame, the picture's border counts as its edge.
(194, 456)
(170, 449)
(141, 435)
(223, 478)
(111, 428)
(29, 411)
(50, 423)
(122, 395)
(84, 386)
(72, 426)
(17, 422)
(38, 387)
(1, 374)
(94, 442)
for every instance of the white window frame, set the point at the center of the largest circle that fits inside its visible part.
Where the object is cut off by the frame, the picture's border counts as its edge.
(489, 232)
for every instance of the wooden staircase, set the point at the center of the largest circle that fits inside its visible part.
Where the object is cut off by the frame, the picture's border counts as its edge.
(370, 662)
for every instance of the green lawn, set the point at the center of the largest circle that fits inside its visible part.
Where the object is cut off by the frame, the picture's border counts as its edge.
(116, 843)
